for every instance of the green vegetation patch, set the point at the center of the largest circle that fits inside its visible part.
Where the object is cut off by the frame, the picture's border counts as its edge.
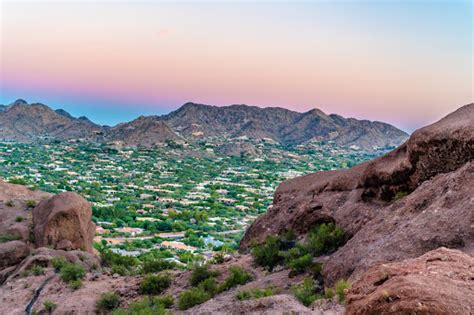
(107, 302)
(256, 293)
(155, 284)
(9, 237)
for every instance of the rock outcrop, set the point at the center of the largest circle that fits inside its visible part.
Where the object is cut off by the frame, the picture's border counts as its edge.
(439, 282)
(64, 220)
(412, 200)
(11, 253)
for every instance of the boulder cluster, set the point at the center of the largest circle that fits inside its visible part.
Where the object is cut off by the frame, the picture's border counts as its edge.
(57, 223)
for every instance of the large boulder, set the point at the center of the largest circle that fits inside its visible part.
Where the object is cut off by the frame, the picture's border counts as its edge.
(11, 253)
(64, 219)
(439, 282)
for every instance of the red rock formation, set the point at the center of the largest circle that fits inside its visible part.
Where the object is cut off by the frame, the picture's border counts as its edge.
(439, 282)
(433, 167)
(64, 217)
(12, 253)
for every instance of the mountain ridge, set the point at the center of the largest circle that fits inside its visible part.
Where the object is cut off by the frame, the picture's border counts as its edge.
(194, 121)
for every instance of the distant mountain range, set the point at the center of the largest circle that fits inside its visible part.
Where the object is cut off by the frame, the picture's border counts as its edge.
(25, 122)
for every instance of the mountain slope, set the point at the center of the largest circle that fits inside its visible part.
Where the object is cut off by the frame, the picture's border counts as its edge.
(28, 122)
(144, 131)
(283, 125)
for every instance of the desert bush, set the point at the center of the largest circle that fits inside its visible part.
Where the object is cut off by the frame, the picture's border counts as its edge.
(201, 273)
(300, 264)
(191, 297)
(145, 306)
(238, 276)
(305, 291)
(324, 239)
(121, 263)
(157, 265)
(399, 195)
(166, 300)
(121, 270)
(37, 270)
(218, 258)
(49, 306)
(267, 254)
(58, 262)
(107, 302)
(340, 288)
(328, 293)
(72, 272)
(30, 203)
(254, 293)
(209, 285)
(75, 284)
(19, 219)
(155, 284)
(8, 238)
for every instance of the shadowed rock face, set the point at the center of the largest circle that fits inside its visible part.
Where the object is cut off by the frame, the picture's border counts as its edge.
(439, 282)
(434, 167)
(64, 221)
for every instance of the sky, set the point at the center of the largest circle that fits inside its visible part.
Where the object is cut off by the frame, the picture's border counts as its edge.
(402, 62)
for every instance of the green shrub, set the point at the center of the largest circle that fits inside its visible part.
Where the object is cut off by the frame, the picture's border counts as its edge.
(10, 203)
(107, 302)
(19, 219)
(8, 238)
(340, 287)
(301, 264)
(254, 293)
(18, 181)
(155, 284)
(328, 293)
(325, 239)
(218, 258)
(316, 268)
(201, 273)
(121, 263)
(305, 292)
(75, 284)
(157, 265)
(209, 285)
(191, 297)
(145, 306)
(49, 306)
(58, 262)
(166, 300)
(30, 203)
(399, 195)
(238, 276)
(37, 270)
(267, 254)
(72, 272)
(120, 269)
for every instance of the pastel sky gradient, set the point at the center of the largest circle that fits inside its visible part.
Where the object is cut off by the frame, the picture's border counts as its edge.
(407, 63)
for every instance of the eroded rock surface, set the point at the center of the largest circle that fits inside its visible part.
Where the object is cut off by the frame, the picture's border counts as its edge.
(439, 282)
(434, 169)
(64, 217)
